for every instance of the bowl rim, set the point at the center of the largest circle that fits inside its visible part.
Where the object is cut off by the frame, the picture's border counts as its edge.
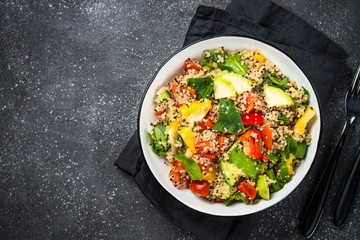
(221, 36)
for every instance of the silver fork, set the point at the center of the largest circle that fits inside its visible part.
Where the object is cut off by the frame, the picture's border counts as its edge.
(316, 205)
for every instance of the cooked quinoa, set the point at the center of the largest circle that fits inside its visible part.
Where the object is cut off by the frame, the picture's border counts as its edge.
(194, 129)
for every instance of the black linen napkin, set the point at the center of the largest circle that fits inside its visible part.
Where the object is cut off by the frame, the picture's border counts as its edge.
(321, 59)
(203, 225)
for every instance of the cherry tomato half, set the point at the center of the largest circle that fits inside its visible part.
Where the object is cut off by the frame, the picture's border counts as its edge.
(200, 187)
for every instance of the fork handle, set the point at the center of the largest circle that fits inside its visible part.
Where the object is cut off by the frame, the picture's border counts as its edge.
(348, 193)
(316, 205)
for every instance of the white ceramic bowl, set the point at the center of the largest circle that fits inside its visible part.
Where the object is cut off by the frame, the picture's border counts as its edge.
(174, 66)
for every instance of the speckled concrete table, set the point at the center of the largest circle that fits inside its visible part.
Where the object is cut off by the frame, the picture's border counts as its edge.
(71, 77)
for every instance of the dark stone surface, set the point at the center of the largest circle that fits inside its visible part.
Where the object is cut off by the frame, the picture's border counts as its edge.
(71, 77)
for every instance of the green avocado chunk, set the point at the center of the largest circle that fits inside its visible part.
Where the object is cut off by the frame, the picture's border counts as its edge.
(230, 171)
(276, 97)
(223, 88)
(239, 83)
(263, 187)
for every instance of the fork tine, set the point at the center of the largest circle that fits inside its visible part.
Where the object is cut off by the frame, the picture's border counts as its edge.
(355, 82)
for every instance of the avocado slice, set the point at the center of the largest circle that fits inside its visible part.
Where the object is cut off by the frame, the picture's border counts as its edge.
(239, 83)
(223, 88)
(276, 97)
(230, 171)
(263, 187)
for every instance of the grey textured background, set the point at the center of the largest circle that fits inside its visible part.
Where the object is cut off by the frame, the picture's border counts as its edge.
(71, 77)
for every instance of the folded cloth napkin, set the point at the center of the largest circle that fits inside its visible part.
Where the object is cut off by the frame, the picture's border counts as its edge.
(321, 59)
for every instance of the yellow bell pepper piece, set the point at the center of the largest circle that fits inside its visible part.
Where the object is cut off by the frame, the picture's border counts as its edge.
(259, 56)
(196, 110)
(173, 133)
(289, 165)
(188, 138)
(210, 175)
(300, 125)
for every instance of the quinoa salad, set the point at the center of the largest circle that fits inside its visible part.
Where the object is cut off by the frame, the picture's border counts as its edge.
(232, 127)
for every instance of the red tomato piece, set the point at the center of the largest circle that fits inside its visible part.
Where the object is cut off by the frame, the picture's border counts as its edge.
(267, 136)
(209, 155)
(203, 149)
(264, 158)
(200, 187)
(159, 113)
(251, 140)
(221, 141)
(208, 122)
(179, 176)
(177, 89)
(191, 90)
(204, 165)
(218, 200)
(201, 146)
(252, 119)
(251, 100)
(248, 189)
(192, 64)
(205, 123)
(202, 125)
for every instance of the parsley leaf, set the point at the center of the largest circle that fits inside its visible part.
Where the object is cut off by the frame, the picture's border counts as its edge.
(235, 196)
(159, 140)
(283, 119)
(306, 91)
(210, 58)
(272, 80)
(276, 186)
(274, 158)
(260, 145)
(297, 149)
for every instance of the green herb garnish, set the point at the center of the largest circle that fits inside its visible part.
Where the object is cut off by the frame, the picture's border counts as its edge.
(203, 87)
(283, 119)
(159, 140)
(234, 63)
(245, 163)
(190, 165)
(235, 196)
(272, 80)
(229, 118)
